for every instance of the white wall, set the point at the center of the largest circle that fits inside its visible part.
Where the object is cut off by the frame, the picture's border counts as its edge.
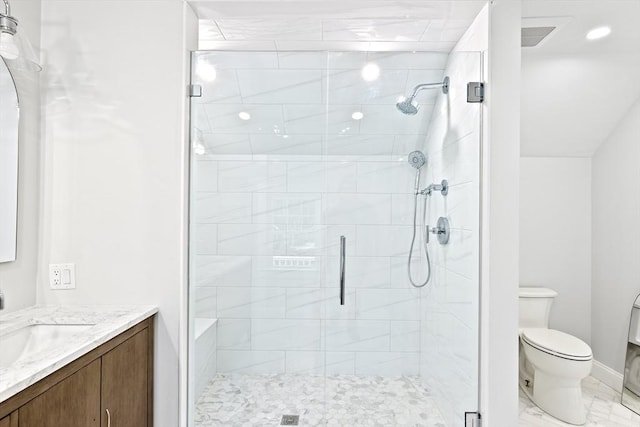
(500, 203)
(616, 239)
(555, 237)
(114, 102)
(18, 278)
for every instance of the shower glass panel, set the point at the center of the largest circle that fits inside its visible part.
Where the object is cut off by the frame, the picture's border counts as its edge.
(300, 167)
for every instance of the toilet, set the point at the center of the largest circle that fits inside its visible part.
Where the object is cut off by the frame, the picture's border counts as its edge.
(552, 363)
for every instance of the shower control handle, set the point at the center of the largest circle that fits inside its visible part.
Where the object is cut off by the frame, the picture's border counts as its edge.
(343, 241)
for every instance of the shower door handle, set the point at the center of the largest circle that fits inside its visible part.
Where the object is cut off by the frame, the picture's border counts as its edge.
(343, 241)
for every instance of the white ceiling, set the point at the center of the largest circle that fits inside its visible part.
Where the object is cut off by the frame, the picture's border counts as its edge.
(346, 24)
(575, 91)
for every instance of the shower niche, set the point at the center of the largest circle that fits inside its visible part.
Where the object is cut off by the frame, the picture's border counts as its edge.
(290, 152)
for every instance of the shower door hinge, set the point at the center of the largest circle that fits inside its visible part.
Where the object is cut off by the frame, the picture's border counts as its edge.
(472, 419)
(195, 91)
(475, 92)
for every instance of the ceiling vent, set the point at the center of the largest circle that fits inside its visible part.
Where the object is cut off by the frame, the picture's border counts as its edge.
(532, 36)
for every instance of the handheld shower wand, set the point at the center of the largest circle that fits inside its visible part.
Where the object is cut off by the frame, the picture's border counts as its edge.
(417, 160)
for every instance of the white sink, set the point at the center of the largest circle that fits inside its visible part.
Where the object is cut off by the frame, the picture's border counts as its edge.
(30, 339)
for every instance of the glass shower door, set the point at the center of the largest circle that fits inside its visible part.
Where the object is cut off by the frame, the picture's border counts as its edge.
(298, 158)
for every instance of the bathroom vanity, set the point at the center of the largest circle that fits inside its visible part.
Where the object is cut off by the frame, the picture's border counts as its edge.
(77, 366)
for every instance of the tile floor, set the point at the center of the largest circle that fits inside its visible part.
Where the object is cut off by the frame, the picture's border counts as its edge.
(339, 400)
(603, 403)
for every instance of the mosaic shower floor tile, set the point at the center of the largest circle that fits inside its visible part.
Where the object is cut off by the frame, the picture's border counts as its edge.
(334, 401)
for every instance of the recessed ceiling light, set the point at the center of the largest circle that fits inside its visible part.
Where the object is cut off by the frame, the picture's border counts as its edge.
(370, 72)
(598, 33)
(206, 72)
(244, 115)
(357, 115)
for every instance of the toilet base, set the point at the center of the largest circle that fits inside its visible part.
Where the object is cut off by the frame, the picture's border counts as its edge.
(560, 397)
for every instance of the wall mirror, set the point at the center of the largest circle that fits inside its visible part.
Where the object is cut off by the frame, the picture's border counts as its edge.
(9, 115)
(631, 383)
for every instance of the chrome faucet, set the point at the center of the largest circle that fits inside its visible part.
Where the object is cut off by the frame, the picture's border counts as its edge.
(1, 300)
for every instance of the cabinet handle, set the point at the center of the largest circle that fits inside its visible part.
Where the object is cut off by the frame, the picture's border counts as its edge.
(108, 418)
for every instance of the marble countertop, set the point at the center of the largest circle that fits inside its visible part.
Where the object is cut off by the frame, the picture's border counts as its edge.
(107, 322)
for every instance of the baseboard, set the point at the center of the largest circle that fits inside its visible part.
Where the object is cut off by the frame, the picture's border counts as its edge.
(605, 374)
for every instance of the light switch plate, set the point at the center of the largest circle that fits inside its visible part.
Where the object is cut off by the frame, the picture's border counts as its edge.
(62, 276)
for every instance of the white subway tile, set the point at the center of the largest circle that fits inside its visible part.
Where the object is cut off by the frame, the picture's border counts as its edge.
(257, 176)
(390, 304)
(234, 334)
(305, 362)
(287, 208)
(358, 208)
(225, 118)
(226, 144)
(283, 143)
(251, 302)
(387, 363)
(419, 269)
(215, 270)
(217, 208)
(205, 176)
(251, 239)
(360, 272)
(304, 303)
(460, 254)
(251, 362)
(332, 308)
(348, 87)
(340, 363)
(303, 60)
(233, 60)
(410, 60)
(358, 145)
(357, 335)
(375, 177)
(405, 336)
(281, 334)
(205, 302)
(309, 177)
(380, 240)
(205, 238)
(462, 206)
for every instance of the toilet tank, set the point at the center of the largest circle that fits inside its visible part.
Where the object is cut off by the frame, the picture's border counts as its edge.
(535, 306)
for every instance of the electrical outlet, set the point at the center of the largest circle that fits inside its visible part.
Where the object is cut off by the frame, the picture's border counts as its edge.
(62, 276)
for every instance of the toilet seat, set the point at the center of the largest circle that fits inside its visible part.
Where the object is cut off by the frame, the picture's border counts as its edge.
(557, 343)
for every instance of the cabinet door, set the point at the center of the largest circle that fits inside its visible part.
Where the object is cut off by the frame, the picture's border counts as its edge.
(124, 383)
(74, 401)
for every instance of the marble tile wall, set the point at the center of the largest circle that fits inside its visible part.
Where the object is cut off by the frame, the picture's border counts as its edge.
(449, 309)
(266, 264)
(272, 195)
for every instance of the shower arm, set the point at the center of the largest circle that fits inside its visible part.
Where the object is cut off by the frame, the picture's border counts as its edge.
(7, 7)
(425, 86)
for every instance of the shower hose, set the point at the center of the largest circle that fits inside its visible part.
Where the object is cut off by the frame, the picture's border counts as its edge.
(425, 236)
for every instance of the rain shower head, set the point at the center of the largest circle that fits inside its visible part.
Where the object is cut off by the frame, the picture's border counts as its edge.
(409, 105)
(416, 159)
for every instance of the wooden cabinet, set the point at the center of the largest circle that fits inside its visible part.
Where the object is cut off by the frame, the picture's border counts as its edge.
(110, 386)
(124, 383)
(74, 401)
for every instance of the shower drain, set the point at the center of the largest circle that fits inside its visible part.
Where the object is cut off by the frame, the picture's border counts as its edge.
(290, 420)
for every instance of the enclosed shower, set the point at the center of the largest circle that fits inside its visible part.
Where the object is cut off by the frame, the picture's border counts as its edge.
(334, 234)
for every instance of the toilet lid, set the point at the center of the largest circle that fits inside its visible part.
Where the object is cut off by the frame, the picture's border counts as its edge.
(557, 343)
